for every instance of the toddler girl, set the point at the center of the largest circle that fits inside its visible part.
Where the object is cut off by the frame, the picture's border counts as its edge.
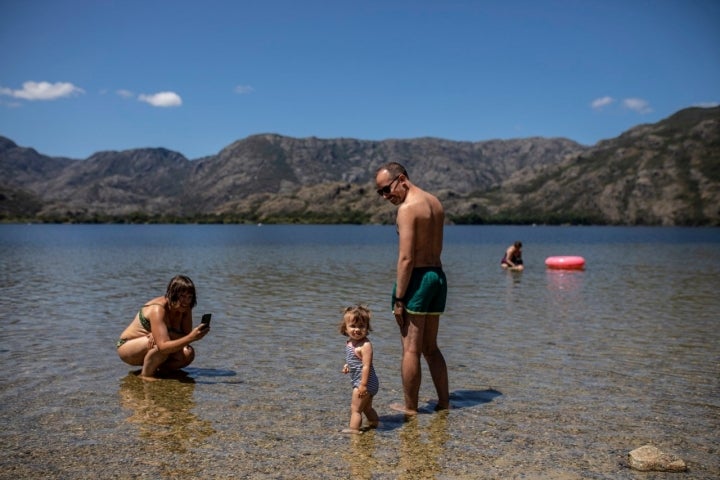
(358, 358)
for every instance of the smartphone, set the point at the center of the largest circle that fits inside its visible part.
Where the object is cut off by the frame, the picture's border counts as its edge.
(206, 319)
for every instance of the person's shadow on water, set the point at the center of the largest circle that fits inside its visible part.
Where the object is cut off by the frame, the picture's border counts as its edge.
(458, 399)
(472, 398)
(212, 375)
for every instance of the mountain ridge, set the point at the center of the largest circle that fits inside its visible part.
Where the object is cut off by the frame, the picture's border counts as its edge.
(665, 173)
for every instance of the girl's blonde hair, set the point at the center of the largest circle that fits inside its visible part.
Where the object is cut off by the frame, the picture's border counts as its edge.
(358, 312)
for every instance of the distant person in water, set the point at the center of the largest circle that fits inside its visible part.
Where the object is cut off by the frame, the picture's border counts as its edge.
(513, 258)
(359, 364)
(159, 337)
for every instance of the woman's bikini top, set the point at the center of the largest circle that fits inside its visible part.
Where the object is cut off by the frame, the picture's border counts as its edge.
(144, 321)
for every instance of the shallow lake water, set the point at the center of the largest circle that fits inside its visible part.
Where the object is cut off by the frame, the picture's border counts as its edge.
(553, 374)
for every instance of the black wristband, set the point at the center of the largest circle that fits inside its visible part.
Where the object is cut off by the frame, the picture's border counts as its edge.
(397, 299)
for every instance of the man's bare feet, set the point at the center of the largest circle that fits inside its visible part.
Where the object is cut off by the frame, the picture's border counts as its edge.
(399, 407)
(351, 431)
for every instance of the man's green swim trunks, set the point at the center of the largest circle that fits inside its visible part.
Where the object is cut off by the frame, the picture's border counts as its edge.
(426, 293)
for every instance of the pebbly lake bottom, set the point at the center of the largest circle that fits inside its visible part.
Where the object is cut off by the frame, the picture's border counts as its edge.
(208, 424)
(553, 374)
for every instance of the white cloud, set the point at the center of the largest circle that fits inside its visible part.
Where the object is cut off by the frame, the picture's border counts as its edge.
(162, 99)
(43, 91)
(10, 104)
(125, 93)
(601, 102)
(244, 89)
(707, 104)
(637, 105)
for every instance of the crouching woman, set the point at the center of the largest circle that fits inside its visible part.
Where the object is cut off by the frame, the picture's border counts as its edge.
(159, 337)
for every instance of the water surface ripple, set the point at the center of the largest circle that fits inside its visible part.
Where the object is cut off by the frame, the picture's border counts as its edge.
(554, 374)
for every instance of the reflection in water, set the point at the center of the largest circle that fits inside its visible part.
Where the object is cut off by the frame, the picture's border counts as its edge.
(421, 449)
(360, 455)
(419, 458)
(564, 280)
(565, 290)
(514, 277)
(162, 410)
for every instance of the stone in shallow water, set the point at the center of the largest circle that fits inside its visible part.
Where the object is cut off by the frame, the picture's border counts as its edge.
(648, 458)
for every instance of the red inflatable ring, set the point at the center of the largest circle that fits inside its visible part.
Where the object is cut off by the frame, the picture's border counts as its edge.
(566, 262)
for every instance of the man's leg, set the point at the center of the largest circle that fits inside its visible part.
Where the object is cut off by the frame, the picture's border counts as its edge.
(436, 361)
(412, 343)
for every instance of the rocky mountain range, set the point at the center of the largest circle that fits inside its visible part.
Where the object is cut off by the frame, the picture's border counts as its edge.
(667, 173)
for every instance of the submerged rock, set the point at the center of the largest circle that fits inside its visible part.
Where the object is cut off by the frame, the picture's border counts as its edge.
(648, 458)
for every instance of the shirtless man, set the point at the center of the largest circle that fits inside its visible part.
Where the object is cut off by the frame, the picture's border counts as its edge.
(420, 289)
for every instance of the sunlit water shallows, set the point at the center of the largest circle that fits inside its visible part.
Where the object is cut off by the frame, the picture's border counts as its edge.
(554, 374)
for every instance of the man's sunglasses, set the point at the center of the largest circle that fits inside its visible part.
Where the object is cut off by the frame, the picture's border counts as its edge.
(386, 189)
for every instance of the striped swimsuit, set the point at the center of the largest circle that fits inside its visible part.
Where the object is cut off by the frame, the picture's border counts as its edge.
(355, 365)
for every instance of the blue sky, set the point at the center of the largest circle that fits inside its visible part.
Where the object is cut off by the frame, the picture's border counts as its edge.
(81, 76)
